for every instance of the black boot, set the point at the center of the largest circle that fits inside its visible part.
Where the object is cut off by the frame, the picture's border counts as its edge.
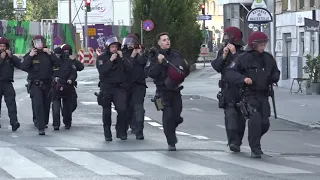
(107, 134)
(234, 148)
(15, 126)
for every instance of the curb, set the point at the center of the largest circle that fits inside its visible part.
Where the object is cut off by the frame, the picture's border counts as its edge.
(304, 126)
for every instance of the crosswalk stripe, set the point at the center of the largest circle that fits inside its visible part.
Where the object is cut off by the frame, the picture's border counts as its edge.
(251, 163)
(170, 163)
(20, 167)
(307, 160)
(94, 163)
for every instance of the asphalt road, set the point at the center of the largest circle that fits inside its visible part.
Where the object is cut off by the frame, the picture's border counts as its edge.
(291, 151)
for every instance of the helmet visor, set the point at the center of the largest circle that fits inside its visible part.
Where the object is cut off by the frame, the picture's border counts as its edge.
(110, 40)
(130, 42)
(38, 43)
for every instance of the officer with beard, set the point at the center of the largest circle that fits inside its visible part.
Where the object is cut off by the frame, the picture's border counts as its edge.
(230, 94)
(136, 85)
(63, 88)
(168, 69)
(113, 68)
(39, 63)
(257, 70)
(7, 63)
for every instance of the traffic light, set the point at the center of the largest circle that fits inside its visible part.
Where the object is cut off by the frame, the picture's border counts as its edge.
(203, 8)
(88, 5)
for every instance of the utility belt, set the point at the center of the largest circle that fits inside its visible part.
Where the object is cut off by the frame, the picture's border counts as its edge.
(39, 83)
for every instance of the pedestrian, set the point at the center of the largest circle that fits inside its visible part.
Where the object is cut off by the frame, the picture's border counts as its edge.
(7, 63)
(229, 95)
(113, 68)
(255, 70)
(39, 63)
(168, 69)
(136, 81)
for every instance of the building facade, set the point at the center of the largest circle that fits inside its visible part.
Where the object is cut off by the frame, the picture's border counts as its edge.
(292, 42)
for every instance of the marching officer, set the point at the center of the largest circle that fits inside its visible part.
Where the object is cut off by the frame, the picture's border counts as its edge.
(62, 92)
(7, 63)
(39, 63)
(137, 85)
(113, 68)
(168, 69)
(230, 94)
(257, 70)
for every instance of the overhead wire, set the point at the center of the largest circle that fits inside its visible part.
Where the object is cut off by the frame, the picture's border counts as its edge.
(77, 14)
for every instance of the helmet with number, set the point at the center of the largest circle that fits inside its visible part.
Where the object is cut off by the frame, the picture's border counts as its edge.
(66, 50)
(256, 38)
(131, 41)
(235, 35)
(39, 42)
(4, 41)
(177, 73)
(112, 40)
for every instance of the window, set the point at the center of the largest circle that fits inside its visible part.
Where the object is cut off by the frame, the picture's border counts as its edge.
(213, 7)
(312, 4)
(284, 5)
(301, 4)
(220, 13)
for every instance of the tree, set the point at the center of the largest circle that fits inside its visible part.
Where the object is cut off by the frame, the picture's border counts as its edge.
(177, 17)
(37, 10)
(6, 10)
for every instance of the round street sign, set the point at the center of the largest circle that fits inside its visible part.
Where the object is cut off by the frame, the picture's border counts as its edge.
(147, 25)
(259, 16)
(255, 28)
(251, 26)
(57, 40)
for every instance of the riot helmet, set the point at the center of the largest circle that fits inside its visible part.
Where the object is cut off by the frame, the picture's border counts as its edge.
(4, 41)
(233, 35)
(38, 42)
(257, 41)
(66, 50)
(131, 41)
(112, 40)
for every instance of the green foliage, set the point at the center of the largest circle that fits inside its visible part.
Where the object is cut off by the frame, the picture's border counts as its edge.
(37, 10)
(312, 67)
(6, 10)
(177, 17)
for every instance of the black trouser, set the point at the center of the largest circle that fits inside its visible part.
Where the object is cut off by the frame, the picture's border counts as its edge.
(114, 93)
(66, 111)
(235, 124)
(259, 122)
(41, 99)
(7, 90)
(171, 114)
(135, 107)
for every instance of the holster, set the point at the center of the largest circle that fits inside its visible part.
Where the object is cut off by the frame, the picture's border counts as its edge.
(221, 102)
(100, 98)
(243, 108)
(28, 86)
(158, 102)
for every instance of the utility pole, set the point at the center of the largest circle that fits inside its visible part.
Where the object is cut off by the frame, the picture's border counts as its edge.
(85, 35)
(203, 12)
(70, 12)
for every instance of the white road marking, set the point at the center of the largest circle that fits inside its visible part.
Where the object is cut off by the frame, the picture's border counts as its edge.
(155, 124)
(304, 159)
(221, 126)
(177, 165)
(20, 167)
(89, 103)
(312, 145)
(182, 133)
(94, 163)
(200, 137)
(147, 118)
(252, 163)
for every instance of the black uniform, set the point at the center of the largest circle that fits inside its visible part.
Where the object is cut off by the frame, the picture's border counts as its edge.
(79, 67)
(40, 70)
(228, 97)
(6, 88)
(28, 86)
(136, 93)
(172, 98)
(62, 91)
(112, 75)
(263, 71)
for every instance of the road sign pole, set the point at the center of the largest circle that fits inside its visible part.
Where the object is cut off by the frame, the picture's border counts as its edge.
(141, 31)
(85, 34)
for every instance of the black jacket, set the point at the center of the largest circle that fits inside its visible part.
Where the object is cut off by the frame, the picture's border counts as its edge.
(7, 66)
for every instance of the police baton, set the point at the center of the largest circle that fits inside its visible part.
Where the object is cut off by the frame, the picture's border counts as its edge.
(172, 65)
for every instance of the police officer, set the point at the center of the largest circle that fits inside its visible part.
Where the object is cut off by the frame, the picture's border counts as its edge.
(258, 70)
(168, 69)
(39, 64)
(136, 85)
(113, 67)
(230, 94)
(7, 63)
(63, 88)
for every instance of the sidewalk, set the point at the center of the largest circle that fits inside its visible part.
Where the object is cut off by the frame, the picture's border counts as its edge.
(297, 108)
